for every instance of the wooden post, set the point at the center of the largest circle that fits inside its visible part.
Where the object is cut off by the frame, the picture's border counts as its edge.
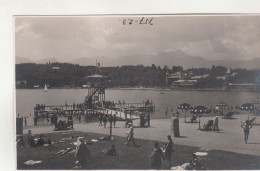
(175, 127)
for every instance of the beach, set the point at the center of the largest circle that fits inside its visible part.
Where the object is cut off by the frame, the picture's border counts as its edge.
(230, 138)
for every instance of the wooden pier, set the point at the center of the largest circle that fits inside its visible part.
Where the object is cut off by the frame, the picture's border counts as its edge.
(123, 111)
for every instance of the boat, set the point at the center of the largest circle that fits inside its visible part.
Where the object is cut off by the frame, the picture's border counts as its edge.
(45, 88)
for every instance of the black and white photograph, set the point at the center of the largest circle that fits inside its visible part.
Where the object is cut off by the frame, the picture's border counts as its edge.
(137, 92)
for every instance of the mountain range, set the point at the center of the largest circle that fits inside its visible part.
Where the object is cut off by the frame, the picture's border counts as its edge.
(172, 58)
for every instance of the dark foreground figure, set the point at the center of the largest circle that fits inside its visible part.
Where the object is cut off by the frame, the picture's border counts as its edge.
(157, 157)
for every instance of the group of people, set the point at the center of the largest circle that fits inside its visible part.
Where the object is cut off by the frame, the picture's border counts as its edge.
(145, 120)
(106, 104)
(40, 107)
(83, 155)
(104, 118)
(76, 106)
(32, 141)
(157, 154)
(61, 125)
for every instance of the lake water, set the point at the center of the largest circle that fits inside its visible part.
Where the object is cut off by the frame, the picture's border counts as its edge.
(26, 99)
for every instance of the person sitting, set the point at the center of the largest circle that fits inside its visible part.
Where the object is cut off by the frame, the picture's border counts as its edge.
(60, 125)
(20, 142)
(40, 141)
(49, 142)
(128, 123)
(111, 151)
(195, 164)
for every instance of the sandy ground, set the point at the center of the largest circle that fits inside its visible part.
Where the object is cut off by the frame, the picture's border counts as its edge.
(230, 137)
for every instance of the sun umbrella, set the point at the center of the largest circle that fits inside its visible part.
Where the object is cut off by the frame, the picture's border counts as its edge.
(248, 107)
(222, 105)
(185, 107)
(200, 110)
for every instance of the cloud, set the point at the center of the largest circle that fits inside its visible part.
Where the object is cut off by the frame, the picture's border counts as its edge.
(211, 37)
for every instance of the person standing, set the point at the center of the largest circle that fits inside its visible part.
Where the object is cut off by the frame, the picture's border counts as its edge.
(215, 124)
(104, 120)
(100, 120)
(80, 117)
(110, 119)
(55, 120)
(168, 151)
(30, 138)
(148, 119)
(166, 112)
(157, 157)
(130, 136)
(25, 121)
(246, 126)
(125, 114)
(82, 153)
(70, 121)
(110, 130)
(142, 121)
(114, 120)
(35, 120)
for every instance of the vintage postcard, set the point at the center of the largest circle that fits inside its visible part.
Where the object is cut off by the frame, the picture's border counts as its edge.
(171, 92)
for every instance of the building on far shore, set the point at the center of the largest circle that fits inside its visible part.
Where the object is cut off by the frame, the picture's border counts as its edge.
(55, 68)
(36, 86)
(243, 87)
(184, 84)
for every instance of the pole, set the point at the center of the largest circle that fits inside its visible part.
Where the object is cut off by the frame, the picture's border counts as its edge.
(185, 115)
(199, 122)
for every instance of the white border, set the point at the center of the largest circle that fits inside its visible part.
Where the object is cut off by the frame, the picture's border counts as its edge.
(9, 8)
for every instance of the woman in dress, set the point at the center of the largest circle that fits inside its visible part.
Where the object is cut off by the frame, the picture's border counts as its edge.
(157, 157)
(82, 153)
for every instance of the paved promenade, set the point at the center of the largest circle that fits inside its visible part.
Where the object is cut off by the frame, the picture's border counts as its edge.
(230, 137)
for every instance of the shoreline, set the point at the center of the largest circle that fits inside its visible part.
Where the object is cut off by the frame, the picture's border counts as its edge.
(155, 89)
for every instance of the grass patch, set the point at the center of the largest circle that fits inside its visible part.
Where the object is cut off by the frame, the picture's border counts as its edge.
(128, 157)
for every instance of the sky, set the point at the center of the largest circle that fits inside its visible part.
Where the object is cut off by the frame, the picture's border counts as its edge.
(67, 38)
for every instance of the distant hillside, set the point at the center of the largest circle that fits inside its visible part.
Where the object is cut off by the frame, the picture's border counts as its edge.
(173, 58)
(43, 61)
(19, 60)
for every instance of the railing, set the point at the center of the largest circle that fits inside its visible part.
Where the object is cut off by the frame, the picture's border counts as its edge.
(118, 113)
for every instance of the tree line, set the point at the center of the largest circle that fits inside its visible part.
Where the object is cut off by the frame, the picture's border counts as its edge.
(62, 74)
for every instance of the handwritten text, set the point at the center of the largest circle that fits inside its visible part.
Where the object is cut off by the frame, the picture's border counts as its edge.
(143, 20)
